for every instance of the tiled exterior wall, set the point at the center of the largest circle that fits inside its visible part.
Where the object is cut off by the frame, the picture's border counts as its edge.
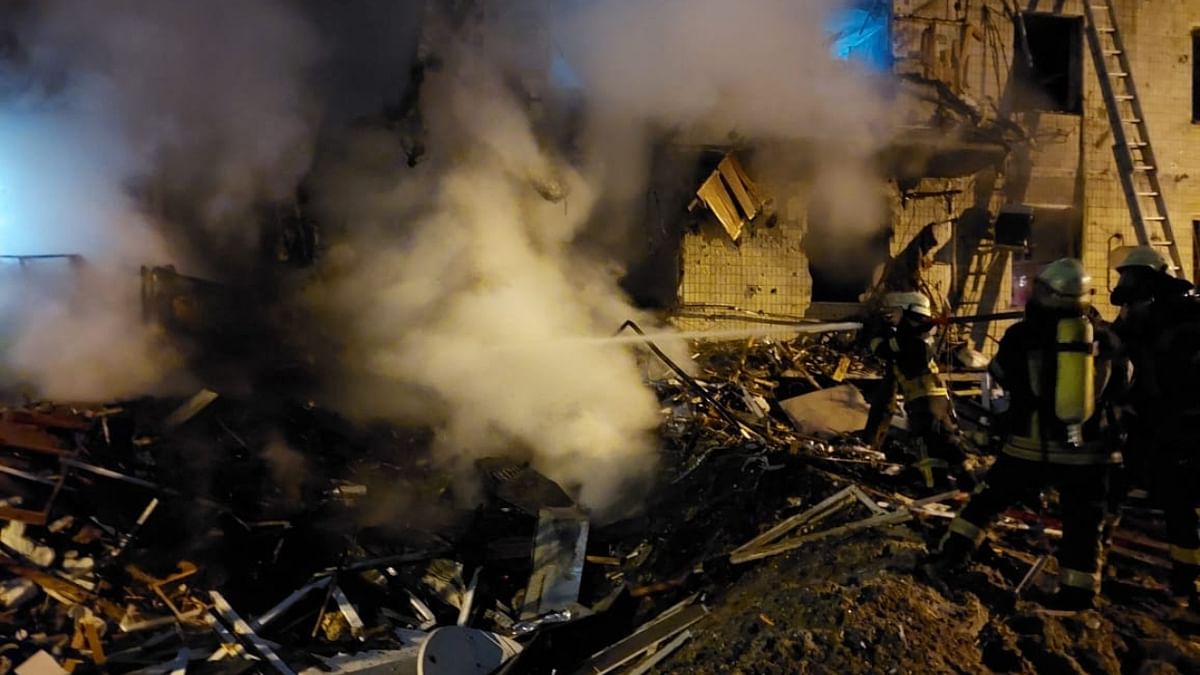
(1157, 34)
(768, 272)
(1158, 38)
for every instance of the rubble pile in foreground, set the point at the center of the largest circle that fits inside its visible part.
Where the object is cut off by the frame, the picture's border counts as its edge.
(216, 535)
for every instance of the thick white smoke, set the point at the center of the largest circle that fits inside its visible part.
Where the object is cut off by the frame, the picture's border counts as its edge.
(73, 331)
(457, 290)
(213, 97)
(709, 70)
(761, 68)
(114, 110)
(459, 282)
(461, 288)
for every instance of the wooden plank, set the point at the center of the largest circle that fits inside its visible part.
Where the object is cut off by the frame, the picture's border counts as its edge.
(30, 438)
(830, 503)
(714, 195)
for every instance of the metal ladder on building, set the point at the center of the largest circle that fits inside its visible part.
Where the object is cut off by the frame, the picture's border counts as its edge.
(1136, 162)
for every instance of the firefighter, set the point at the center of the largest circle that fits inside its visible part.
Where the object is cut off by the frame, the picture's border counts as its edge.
(1160, 327)
(1060, 367)
(904, 339)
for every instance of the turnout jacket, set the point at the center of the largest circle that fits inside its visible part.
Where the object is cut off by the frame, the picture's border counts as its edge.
(911, 357)
(1026, 366)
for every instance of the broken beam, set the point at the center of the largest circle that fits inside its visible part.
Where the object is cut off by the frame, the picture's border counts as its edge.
(819, 512)
(243, 630)
(893, 518)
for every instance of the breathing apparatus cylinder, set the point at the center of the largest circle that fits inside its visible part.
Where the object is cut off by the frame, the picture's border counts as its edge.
(1074, 387)
(1063, 287)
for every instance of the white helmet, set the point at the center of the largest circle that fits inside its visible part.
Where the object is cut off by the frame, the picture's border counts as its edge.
(910, 301)
(1063, 283)
(1145, 256)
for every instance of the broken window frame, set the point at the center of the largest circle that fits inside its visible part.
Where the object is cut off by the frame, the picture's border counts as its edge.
(875, 14)
(1029, 95)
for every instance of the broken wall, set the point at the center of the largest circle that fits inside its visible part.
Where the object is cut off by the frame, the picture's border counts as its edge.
(1069, 176)
(1071, 163)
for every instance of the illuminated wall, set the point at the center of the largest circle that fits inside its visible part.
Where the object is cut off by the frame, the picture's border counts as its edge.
(861, 32)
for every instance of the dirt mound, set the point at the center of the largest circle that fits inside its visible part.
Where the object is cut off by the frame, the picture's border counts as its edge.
(857, 607)
(837, 609)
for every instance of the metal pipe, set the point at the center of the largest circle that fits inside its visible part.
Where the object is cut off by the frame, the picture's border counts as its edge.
(975, 318)
(688, 379)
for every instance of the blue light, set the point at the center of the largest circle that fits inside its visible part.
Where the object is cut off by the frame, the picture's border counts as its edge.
(563, 75)
(860, 33)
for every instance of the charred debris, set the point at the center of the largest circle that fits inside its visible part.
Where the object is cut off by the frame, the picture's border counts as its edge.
(222, 533)
(229, 533)
(217, 534)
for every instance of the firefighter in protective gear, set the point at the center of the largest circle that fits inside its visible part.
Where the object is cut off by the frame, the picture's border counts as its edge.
(904, 340)
(1145, 275)
(1061, 367)
(1160, 328)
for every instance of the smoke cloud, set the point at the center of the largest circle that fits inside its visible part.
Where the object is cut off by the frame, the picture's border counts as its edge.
(212, 98)
(462, 290)
(459, 282)
(197, 110)
(73, 331)
(714, 72)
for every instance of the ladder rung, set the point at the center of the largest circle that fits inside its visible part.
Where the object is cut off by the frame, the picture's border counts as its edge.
(1147, 194)
(1112, 52)
(1123, 97)
(1105, 29)
(1118, 74)
(1154, 218)
(1138, 144)
(1132, 120)
(1143, 167)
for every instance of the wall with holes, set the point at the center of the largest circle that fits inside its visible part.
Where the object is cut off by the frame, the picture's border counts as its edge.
(766, 272)
(969, 45)
(1072, 160)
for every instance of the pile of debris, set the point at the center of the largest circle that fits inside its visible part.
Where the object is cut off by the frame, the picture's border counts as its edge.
(218, 535)
(158, 536)
(162, 535)
(841, 531)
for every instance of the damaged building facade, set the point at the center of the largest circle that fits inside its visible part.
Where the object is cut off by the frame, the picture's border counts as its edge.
(1006, 115)
(405, 437)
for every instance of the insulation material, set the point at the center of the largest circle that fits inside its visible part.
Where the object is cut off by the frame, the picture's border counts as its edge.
(732, 197)
(747, 193)
(719, 201)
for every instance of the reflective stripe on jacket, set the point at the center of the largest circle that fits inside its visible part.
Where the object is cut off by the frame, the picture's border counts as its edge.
(1025, 365)
(912, 362)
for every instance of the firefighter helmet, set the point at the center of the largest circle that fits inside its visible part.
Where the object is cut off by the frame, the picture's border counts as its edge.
(914, 302)
(1147, 257)
(1063, 283)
